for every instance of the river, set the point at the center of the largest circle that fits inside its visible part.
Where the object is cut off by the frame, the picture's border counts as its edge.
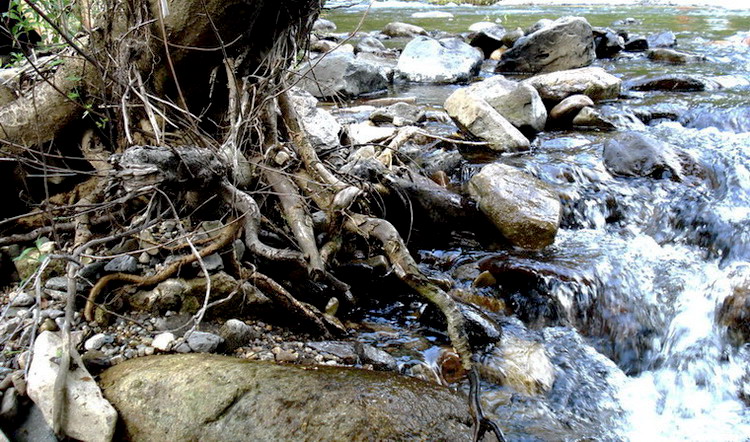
(641, 266)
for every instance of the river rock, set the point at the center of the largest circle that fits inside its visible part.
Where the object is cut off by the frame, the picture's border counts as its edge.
(89, 416)
(340, 73)
(22, 299)
(636, 44)
(588, 117)
(665, 39)
(607, 43)
(399, 29)
(480, 25)
(366, 133)
(520, 364)
(735, 314)
(97, 341)
(519, 103)
(521, 206)
(540, 24)
(123, 264)
(594, 82)
(9, 406)
(565, 110)
(671, 82)
(398, 114)
(323, 26)
(488, 39)
(448, 60)
(567, 43)
(200, 342)
(163, 341)
(511, 37)
(634, 154)
(207, 397)
(477, 117)
(672, 56)
(369, 44)
(326, 45)
(236, 334)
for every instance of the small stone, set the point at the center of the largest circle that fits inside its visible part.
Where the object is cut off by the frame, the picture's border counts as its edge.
(117, 359)
(9, 406)
(122, 264)
(286, 356)
(97, 341)
(96, 361)
(144, 258)
(379, 359)
(18, 378)
(484, 279)
(343, 350)
(148, 351)
(163, 341)
(236, 334)
(333, 306)
(52, 313)
(213, 263)
(22, 300)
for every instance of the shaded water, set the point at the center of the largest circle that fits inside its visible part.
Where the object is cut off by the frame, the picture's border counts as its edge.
(625, 300)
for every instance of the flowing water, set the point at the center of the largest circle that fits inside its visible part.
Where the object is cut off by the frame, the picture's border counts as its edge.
(625, 301)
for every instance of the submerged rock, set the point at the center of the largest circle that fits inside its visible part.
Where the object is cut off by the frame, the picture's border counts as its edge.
(448, 60)
(594, 82)
(477, 117)
(637, 155)
(671, 82)
(664, 39)
(521, 206)
(672, 56)
(567, 43)
(207, 397)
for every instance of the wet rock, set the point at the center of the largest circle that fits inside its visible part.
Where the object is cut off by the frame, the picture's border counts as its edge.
(594, 82)
(124, 264)
(672, 56)
(206, 397)
(665, 39)
(637, 155)
(519, 103)
(379, 359)
(369, 44)
(320, 126)
(565, 110)
(448, 60)
(488, 39)
(236, 334)
(398, 114)
(340, 73)
(324, 26)
(636, 44)
(520, 364)
(736, 119)
(734, 314)
(730, 81)
(607, 43)
(477, 117)
(342, 350)
(567, 43)
(671, 82)
(399, 29)
(89, 416)
(522, 207)
(200, 342)
(163, 341)
(588, 117)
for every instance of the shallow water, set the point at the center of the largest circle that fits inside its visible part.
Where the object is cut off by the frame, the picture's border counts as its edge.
(625, 300)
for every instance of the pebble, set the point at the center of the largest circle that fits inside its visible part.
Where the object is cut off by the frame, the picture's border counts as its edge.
(22, 300)
(117, 359)
(144, 258)
(52, 313)
(18, 379)
(286, 356)
(9, 405)
(203, 342)
(48, 325)
(163, 341)
(97, 341)
(124, 264)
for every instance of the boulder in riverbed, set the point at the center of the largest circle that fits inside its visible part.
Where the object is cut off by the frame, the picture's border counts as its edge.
(594, 82)
(448, 60)
(477, 117)
(567, 43)
(207, 397)
(565, 110)
(524, 209)
(634, 154)
(519, 103)
(399, 29)
(340, 73)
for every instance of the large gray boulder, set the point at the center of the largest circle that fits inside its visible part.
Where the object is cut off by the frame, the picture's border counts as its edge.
(518, 102)
(594, 82)
(474, 115)
(448, 60)
(567, 43)
(340, 73)
(208, 397)
(524, 209)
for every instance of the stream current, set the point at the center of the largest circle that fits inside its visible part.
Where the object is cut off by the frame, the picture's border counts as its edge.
(625, 301)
